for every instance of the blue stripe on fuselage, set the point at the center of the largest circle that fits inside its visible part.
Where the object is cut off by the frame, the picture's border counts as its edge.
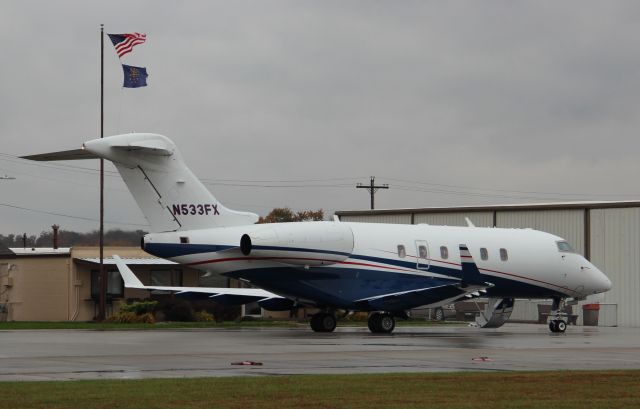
(168, 250)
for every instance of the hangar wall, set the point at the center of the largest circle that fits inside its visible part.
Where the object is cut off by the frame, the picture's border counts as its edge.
(568, 224)
(607, 233)
(615, 247)
(480, 219)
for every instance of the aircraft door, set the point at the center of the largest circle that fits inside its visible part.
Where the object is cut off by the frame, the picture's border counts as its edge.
(422, 255)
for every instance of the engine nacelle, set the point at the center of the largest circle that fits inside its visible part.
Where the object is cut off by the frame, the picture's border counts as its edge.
(307, 244)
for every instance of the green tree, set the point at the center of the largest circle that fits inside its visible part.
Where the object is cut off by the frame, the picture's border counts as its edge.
(284, 214)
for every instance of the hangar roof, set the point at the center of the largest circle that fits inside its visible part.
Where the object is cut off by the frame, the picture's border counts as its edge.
(514, 207)
(40, 251)
(129, 261)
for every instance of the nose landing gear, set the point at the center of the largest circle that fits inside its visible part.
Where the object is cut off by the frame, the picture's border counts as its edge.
(557, 326)
(558, 322)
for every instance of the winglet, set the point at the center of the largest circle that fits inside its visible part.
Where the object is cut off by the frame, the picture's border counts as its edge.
(130, 279)
(470, 272)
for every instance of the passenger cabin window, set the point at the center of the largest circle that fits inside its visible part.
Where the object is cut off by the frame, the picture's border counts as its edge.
(444, 252)
(402, 253)
(504, 256)
(565, 247)
(184, 240)
(422, 251)
(484, 254)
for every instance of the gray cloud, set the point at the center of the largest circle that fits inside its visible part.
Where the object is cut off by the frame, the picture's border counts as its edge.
(513, 96)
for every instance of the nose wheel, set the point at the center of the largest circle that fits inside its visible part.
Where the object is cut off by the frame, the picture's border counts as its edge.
(557, 326)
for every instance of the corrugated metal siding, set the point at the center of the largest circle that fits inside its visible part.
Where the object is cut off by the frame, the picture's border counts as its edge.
(615, 248)
(382, 218)
(480, 219)
(568, 224)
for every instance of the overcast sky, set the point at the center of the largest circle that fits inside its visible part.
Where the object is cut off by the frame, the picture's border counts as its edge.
(450, 103)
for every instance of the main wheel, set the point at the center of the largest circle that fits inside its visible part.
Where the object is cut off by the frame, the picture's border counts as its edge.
(323, 322)
(374, 322)
(552, 326)
(328, 322)
(387, 323)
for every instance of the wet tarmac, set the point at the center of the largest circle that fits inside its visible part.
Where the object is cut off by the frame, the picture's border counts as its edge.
(80, 354)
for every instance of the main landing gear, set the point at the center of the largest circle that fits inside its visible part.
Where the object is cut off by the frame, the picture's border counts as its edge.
(323, 322)
(557, 323)
(381, 323)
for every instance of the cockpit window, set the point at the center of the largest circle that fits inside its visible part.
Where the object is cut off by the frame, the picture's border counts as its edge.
(565, 247)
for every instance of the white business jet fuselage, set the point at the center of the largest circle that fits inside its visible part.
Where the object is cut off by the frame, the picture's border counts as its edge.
(381, 268)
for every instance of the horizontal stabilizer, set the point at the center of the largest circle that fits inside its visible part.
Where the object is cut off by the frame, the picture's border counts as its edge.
(73, 154)
(150, 147)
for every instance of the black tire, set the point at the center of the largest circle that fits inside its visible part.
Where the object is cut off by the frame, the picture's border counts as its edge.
(552, 326)
(315, 323)
(439, 314)
(328, 322)
(323, 322)
(561, 326)
(386, 323)
(374, 322)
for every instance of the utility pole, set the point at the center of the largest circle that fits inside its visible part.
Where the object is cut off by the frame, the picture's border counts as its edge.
(103, 277)
(372, 189)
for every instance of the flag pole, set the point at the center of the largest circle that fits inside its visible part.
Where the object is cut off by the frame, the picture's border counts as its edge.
(103, 278)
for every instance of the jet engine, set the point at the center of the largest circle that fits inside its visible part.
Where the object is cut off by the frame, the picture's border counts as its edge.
(308, 244)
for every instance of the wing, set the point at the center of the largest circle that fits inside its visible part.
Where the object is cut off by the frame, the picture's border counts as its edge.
(427, 297)
(223, 295)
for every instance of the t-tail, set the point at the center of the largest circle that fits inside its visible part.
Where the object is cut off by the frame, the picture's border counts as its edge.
(168, 193)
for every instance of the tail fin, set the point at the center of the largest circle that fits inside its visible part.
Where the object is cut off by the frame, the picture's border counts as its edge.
(167, 192)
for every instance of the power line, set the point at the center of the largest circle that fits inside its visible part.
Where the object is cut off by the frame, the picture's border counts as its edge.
(69, 216)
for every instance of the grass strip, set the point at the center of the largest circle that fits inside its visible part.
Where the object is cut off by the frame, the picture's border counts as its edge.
(478, 390)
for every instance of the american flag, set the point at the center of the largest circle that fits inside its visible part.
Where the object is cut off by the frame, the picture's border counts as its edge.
(124, 43)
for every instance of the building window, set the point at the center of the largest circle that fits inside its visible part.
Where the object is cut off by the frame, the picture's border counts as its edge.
(115, 285)
(504, 256)
(444, 252)
(165, 278)
(402, 252)
(484, 254)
